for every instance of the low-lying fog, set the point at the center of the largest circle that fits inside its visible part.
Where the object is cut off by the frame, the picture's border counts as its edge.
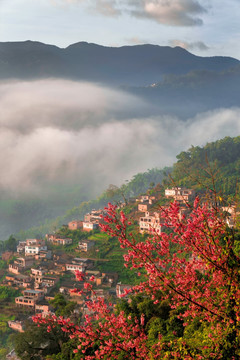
(55, 132)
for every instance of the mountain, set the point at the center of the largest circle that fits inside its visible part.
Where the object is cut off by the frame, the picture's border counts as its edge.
(128, 65)
(198, 91)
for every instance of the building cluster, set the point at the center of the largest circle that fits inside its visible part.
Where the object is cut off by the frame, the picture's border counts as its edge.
(181, 195)
(152, 222)
(58, 240)
(145, 202)
(85, 245)
(40, 280)
(91, 221)
(30, 298)
(40, 273)
(35, 248)
(17, 281)
(78, 264)
(20, 264)
(231, 215)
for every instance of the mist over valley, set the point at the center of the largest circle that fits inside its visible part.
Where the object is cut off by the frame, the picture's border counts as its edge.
(65, 138)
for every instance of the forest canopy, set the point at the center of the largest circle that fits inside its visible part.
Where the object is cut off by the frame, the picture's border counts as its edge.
(219, 160)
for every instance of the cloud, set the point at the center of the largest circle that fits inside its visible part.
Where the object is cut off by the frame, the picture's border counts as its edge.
(196, 45)
(107, 8)
(172, 12)
(167, 12)
(57, 155)
(136, 41)
(57, 132)
(63, 104)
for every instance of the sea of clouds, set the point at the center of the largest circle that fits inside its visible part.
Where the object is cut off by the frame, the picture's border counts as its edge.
(57, 131)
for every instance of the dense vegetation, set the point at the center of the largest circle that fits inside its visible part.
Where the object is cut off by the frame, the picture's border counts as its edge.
(218, 161)
(7, 296)
(36, 343)
(9, 245)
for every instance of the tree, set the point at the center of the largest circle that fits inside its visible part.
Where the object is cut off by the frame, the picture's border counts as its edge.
(62, 306)
(8, 294)
(37, 342)
(194, 265)
(10, 244)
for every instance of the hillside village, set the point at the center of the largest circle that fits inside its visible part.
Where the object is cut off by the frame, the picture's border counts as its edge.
(41, 269)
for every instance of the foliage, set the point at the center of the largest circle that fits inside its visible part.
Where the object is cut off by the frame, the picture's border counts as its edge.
(3, 353)
(62, 306)
(137, 185)
(221, 159)
(187, 306)
(9, 245)
(5, 336)
(3, 264)
(8, 294)
(38, 342)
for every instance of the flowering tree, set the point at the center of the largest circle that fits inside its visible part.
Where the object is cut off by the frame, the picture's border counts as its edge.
(193, 263)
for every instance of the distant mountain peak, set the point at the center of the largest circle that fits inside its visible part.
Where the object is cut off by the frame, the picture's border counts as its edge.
(84, 44)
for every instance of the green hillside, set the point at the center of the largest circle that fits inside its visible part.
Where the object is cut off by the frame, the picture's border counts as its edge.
(216, 164)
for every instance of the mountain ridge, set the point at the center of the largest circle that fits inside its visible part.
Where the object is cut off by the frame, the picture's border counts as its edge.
(126, 65)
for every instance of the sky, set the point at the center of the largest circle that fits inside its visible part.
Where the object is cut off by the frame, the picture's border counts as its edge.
(204, 27)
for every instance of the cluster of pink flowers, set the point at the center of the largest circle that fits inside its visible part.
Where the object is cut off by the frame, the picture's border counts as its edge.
(201, 276)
